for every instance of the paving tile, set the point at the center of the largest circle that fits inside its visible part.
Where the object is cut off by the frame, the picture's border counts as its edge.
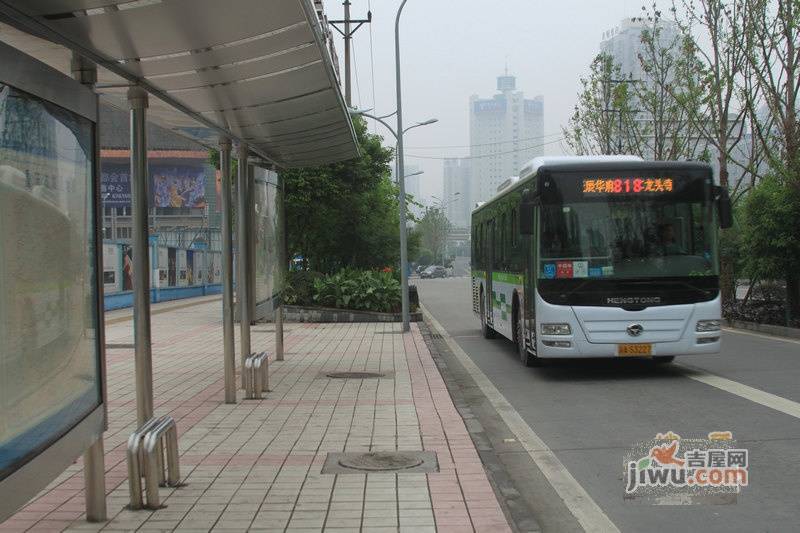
(256, 464)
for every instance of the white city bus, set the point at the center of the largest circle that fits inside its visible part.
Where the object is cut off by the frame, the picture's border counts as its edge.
(603, 256)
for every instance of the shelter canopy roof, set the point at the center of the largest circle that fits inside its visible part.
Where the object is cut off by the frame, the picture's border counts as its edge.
(258, 71)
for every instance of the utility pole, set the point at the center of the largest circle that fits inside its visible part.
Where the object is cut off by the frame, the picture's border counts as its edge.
(347, 32)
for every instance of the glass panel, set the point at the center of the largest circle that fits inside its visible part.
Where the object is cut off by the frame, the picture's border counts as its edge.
(49, 371)
(268, 242)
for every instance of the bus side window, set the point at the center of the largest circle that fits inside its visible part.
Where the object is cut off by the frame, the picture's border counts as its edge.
(514, 228)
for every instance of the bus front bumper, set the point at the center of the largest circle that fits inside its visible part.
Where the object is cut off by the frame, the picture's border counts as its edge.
(555, 347)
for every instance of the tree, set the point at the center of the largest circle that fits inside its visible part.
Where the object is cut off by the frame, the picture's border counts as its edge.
(345, 214)
(616, 114)
(594, 128)
(669, 96)
(433, 229)
(773, 56)
(769, 233)
(719, 110)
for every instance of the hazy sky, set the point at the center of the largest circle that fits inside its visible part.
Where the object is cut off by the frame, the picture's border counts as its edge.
(452, 49)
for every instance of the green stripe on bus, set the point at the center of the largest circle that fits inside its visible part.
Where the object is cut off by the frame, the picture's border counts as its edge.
(503, 277)
(478, 274)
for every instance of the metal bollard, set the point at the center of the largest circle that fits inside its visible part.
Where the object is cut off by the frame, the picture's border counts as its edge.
(134, 456)
(256, 378)
(146, 457)
(153, 469)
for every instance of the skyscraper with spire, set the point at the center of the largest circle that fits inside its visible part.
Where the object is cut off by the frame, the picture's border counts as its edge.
(506, 131)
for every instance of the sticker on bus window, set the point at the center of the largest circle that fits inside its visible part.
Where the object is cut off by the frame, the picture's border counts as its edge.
(549, 270)
(608, 270)
(564, 269)
(595, 272)
(580, 269)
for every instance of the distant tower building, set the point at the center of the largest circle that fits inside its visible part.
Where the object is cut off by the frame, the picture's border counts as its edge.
(506, 131)
(457, 196)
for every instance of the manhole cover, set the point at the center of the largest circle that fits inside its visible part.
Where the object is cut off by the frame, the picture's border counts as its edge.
(354, 375)
(380, 462)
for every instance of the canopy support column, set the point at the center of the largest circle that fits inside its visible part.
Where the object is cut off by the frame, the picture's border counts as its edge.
(94, 476)
(242, 225)
(137, 98)
(227, 272)
(282, 261)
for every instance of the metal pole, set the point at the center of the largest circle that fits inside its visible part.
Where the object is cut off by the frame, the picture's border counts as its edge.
(242, 245)
(94, 477)
(227, 273)
(279, 333)
(283, 260)
(347, 37)
(137, 98)
(401, 176)
(95, 481)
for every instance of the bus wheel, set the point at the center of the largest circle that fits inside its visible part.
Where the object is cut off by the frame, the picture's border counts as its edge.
(527, 358)
(486, 330)
(664, 359)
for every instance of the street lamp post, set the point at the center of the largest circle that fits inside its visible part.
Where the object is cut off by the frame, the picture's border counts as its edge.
(400, 176)
(398, 135)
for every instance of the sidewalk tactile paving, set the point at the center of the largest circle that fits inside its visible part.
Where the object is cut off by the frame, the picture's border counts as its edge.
(256, 465)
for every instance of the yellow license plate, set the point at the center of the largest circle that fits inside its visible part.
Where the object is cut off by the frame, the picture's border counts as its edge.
(634, 350)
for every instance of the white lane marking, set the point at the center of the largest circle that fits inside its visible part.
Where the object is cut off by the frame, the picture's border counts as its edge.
(760, 335)
(577, 500)
(747, 392)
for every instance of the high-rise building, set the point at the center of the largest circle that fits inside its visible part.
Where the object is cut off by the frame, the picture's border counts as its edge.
(457, 198)
(624, 43)
(506, 131)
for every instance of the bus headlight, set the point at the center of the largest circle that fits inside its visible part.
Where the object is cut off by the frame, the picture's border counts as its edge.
(707, 325)
(556, 329)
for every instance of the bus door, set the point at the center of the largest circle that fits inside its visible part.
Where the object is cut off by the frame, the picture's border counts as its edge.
(489, 269)
(529, 249)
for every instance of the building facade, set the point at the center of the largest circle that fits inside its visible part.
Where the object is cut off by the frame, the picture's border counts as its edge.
(506, 131)
(183, 206)
(457, 197)
(624, 43)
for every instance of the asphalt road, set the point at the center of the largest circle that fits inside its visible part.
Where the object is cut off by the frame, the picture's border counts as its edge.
(590, 413)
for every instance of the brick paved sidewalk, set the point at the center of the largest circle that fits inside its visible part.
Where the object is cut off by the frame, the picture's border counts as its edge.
(256, 465)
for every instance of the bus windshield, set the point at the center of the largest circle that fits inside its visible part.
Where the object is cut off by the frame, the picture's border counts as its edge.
(631, 237)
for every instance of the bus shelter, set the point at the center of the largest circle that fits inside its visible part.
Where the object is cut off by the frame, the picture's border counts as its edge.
(256, 80)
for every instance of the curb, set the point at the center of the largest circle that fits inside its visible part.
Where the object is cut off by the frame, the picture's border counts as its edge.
(520, 517)
(767, 329)
(294, 313)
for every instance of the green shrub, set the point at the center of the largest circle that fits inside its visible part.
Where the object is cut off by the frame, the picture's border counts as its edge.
(299, 288)
(358, 290)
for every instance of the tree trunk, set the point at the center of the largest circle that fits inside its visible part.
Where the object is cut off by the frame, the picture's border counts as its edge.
(727, 274)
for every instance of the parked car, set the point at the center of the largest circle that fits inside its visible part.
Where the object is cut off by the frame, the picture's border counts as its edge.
(434, 271)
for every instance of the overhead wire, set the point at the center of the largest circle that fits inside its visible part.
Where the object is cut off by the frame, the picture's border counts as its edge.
(486, 155)
(433, 147)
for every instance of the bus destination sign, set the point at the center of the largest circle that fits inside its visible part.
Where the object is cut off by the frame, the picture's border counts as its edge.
(632, 185)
